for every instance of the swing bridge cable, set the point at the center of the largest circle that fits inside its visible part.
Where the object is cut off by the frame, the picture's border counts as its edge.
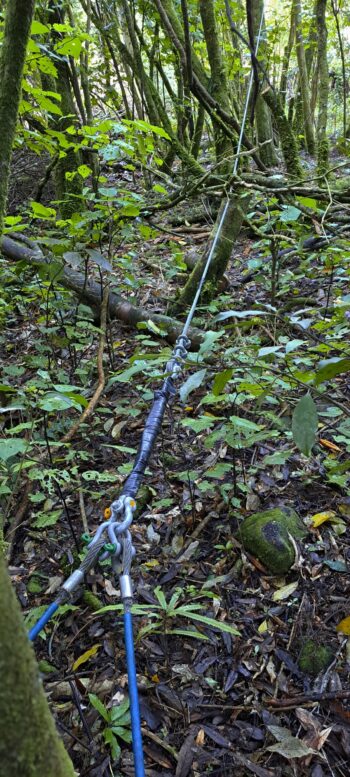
(112, 538)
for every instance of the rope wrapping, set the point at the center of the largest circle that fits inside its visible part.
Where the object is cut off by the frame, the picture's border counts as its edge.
(149, 436)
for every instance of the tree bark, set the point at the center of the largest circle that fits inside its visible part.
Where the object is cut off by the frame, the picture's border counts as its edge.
(218, 82)
(237, 209)
(18, 18)
(304, 82)
(263, 120)
(29, 743)
(323, 81)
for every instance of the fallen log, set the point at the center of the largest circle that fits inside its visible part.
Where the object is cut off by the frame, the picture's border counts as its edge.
(19, 247)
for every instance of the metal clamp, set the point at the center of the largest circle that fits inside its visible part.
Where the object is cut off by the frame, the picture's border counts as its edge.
(179, 354)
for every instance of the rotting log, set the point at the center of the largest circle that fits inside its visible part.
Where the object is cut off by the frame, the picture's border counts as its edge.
(90, 292)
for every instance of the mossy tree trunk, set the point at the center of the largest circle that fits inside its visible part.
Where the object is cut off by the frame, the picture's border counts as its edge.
(29, 743)
(18, 18)
(287, 138)
(304, 80)
(218, 82)
(263, 120)
(322, 141)
(236, 211)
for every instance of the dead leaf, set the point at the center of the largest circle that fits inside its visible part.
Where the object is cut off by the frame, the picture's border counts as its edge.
(330, 445)
(285, 591)
(318, 518)
(344, 625)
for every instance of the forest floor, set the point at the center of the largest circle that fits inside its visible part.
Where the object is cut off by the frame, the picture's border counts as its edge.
(222, 705)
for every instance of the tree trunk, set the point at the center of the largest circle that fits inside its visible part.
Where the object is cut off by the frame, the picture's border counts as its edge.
(218, 83)
(288, 141)
(263, 120)
(322, 141)
(29, 743)
(231, 227)
(304, 81)
(18, 18)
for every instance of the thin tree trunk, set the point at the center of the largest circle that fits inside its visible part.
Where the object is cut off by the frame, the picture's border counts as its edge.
(263, 120)
(304, 82)
(218, 82)
(335, 9)
(18, 18)
(323, 78)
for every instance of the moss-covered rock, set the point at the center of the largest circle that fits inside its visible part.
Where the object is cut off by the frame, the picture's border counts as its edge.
(266, 535)
(314, 658)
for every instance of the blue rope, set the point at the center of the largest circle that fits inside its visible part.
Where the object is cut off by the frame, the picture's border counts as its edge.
(134, 697)
(33, 633)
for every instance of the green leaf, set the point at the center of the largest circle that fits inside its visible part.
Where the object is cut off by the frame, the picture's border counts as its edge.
(101, 709)
(9, 448)
(47, 519)
(199, 424)
(84, 171)
(220, 381)
(308, 202)
(119, 711)
(41, 212)
(290, 213)
(161, 598)
(329, 368)
(113, 743)
(304, 424)
(193, 382)
(196, 616)
(38, 28)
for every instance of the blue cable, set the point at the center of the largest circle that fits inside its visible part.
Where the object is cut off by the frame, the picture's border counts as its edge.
(134, 698)
(33, 633)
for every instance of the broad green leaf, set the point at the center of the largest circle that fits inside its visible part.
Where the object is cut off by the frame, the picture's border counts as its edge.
(304, 424)
(220, 381)
(308, 202)
(329, 368)
(120, 709)
(99, 259)
(41, 212)
(193, 382)
(199, 424)
(290, 213)
(38, 28)
(9, 448)
(84, 171)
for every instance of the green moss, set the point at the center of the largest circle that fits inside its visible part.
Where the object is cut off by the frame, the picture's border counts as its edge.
(314, 658)
(266, 535)
(29, 743)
